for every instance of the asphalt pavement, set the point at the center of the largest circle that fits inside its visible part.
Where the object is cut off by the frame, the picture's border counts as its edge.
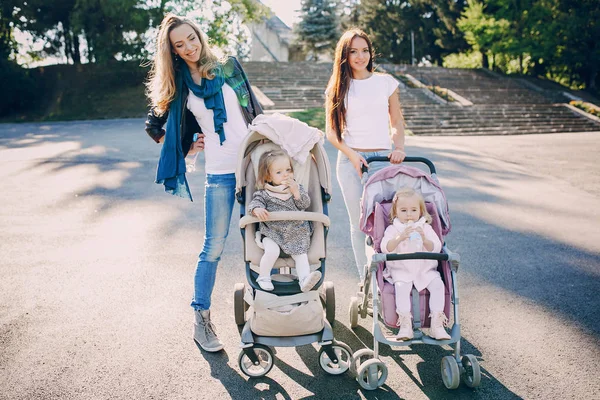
(97, 273)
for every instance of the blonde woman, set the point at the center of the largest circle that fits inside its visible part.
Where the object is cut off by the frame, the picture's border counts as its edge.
(192, 91)
(360, 107)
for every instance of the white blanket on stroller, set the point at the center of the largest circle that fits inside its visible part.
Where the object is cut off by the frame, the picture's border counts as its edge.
(294, 136)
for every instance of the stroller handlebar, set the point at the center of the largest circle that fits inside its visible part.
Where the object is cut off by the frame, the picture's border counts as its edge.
(406, 159)
(288, 216)
(414, 256)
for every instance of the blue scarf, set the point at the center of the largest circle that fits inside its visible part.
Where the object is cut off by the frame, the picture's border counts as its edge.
(171, 165)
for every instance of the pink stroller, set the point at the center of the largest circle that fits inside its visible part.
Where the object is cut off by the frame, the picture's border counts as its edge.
(379, 190)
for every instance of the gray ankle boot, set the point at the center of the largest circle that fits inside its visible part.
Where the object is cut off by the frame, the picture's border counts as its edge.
(205, 333)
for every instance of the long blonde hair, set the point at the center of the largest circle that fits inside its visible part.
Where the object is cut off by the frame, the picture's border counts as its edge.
(406, 193)
(265, 162)
(339, 83)
(160, 85)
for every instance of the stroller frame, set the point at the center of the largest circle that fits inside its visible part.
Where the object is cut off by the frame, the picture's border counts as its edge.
(372, 373)
(256, 357)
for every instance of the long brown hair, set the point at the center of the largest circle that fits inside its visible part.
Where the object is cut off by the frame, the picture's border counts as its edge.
(160, 86)
(339, 83)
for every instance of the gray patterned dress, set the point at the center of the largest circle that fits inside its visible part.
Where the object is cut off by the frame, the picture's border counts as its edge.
(293, 237)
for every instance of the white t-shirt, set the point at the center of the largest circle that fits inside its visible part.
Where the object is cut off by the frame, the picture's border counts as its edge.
(220, 159)
(367, 112)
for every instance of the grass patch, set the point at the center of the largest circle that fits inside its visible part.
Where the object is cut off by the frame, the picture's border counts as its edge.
(441, 92)
(314, 117)
(404, 79)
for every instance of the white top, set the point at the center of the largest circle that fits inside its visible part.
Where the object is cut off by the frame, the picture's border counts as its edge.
(220, 159)
(367, 112)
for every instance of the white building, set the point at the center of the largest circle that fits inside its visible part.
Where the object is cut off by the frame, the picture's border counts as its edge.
(271, 39)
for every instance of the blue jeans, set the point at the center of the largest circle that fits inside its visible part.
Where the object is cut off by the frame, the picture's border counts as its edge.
(219, 197)
(352, 189)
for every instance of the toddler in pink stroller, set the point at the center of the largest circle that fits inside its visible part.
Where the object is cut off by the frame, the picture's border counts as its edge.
(437, 267)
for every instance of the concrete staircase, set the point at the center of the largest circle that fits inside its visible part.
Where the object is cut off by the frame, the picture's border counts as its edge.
(501, 105)
(293, 85)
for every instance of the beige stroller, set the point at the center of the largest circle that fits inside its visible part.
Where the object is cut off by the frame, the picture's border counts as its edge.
(286, 317)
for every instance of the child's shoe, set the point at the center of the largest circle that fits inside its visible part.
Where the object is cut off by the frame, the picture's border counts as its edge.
(438, 321)
(406, 328)
(265, 283)
(309, 281)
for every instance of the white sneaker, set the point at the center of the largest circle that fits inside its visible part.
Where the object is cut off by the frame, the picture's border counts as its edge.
(406, 327)
(437, 331)
(309, 281)
(265, 283)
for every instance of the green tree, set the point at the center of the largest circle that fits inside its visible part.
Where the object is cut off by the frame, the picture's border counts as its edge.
(224, 24)
(8, 45)
(578, 27)
(318, 27)
(389, 23)
(482, 31)
(121, 29)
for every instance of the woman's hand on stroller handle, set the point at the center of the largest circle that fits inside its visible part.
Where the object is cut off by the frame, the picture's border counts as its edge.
(397, 155)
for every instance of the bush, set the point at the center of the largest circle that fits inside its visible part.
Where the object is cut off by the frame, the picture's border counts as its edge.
(18, 88)
(587, 107)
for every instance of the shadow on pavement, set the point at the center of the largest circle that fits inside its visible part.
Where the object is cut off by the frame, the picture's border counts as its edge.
(429, 378)
(239, 386)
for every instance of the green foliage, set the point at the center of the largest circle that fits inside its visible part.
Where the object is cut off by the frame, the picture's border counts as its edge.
(483, 32)
(118, 29)
(471, 59)
(77, 92)
(587, 107)
(557, 39)
(405, 80)
(224, 22)
(390, 23)
(8, 45)
(441, 92)
(18, 86)
(318, 28)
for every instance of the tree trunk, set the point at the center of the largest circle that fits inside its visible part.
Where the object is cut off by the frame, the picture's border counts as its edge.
(484, 59)
(76, 52)
(521, 63)
(591, 83)
(66, 40)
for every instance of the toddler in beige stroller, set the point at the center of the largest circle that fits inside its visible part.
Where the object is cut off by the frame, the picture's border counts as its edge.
(282, 310)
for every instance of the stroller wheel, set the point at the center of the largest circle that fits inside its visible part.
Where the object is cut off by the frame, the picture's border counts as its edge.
(264, 365)
(329, 302)
(359, 357)
(344, 356)
(353, 311)
(450, 372)
(472, 373)
(239, 305)
(372, 374)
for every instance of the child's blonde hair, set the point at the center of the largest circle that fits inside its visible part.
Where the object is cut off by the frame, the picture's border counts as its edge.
(405, 193)
(265, 162)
